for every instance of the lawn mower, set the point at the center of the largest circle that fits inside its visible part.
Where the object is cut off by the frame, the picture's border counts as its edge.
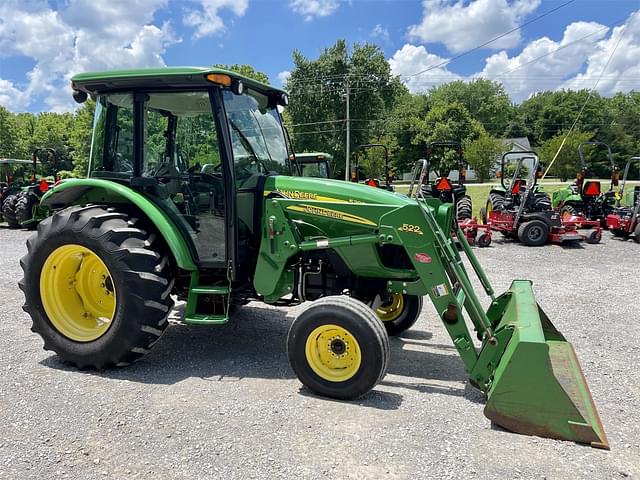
(444, 190)
(373, 181)
(101, 272)
(11, 180)
(315, 164)
(584, 198)
(625, 218)
(519, 210)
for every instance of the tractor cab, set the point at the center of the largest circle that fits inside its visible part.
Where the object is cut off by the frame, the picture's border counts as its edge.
(198, 144)
(314, 164)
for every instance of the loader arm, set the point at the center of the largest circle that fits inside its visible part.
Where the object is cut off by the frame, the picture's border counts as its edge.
(515, 334)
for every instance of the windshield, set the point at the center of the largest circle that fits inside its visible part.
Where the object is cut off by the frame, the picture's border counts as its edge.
(257, 136)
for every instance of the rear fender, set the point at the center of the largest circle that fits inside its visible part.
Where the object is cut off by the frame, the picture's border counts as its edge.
(92, 190)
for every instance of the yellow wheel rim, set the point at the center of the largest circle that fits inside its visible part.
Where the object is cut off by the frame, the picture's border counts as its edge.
(388, 312)
(333, 353)
(77, 293)
(489, 208)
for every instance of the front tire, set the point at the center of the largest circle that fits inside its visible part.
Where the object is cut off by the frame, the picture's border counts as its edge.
(400, 313)
(9, 211)
(96, 287)
(533, 233)
(338, 348)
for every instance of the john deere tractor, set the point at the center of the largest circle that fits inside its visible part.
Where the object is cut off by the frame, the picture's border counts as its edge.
(314, 164)
(189, 195)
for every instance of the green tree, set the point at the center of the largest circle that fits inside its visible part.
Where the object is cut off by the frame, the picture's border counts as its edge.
(486, 101)
(483, 154)
(246, 70)
(567, 163)
(8, 134)
(447, 122)
(318, 90)
(80, 137)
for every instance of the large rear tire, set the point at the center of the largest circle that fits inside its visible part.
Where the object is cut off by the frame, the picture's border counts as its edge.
(338, 348)
(400, 313)
(533, 233)
(95, 286)
(25, 204)
(9, 211)
(494, 202)
(464, 208)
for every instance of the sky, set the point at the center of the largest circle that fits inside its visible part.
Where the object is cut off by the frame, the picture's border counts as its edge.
(552, 44)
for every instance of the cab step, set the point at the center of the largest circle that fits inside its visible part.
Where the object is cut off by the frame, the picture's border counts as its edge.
(202, 319)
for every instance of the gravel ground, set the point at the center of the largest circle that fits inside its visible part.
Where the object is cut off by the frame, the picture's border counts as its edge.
(222, 402)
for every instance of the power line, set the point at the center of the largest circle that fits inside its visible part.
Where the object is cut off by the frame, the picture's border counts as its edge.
(590, 94)
(478, 47)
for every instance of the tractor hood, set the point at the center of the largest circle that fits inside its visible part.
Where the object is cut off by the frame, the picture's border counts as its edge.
(325, 190)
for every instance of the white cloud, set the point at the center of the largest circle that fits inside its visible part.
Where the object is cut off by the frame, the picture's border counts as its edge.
(545, 64)
(623, 71)
(207, 21)
(380, 32)
(84, 35)
(11, 97)
(310, 9)
(461, 25)
(284, 76)
(411, 59)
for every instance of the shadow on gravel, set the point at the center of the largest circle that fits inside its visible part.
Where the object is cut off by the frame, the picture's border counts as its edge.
(253, 345)
(374, 399)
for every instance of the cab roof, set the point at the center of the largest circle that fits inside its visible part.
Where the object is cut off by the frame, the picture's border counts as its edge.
(162, 77)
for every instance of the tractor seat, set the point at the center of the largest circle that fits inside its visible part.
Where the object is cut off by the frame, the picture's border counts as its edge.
(517, 186)
(591, 189)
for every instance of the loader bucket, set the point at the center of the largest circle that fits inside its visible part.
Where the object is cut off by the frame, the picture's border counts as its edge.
(538, 387)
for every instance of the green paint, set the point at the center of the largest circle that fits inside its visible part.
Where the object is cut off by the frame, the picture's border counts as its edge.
(78, 191)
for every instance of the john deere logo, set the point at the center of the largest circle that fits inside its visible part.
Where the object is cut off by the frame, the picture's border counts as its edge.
(327, 212)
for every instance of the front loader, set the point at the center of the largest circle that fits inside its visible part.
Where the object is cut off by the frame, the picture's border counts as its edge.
(212, 216)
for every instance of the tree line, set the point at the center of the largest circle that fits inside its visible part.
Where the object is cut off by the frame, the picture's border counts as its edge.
(479, 114)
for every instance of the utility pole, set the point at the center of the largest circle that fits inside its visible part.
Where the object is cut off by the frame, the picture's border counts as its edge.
(347, 170)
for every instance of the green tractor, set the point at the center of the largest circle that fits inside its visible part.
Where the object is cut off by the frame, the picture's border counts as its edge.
(11, 181)
(314, 164)
(189, 194)
(584, 198)
(22, 207)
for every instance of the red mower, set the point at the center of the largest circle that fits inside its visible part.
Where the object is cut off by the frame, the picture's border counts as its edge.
(520, 210)
(625, 219)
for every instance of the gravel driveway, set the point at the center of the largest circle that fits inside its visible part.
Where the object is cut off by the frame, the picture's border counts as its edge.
(222, 402)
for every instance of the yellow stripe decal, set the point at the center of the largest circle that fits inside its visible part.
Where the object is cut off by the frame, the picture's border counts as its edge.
(327, 212)
(298, 195)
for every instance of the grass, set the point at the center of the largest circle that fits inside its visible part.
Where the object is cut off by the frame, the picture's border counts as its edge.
(479, 193)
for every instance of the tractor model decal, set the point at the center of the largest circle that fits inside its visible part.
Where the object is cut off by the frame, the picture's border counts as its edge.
(327, 212)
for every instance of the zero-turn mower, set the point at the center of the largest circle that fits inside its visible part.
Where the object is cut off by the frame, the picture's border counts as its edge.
(520, 210)
(101, 272)
(625, 218)
(584, 198)
(444, 189)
